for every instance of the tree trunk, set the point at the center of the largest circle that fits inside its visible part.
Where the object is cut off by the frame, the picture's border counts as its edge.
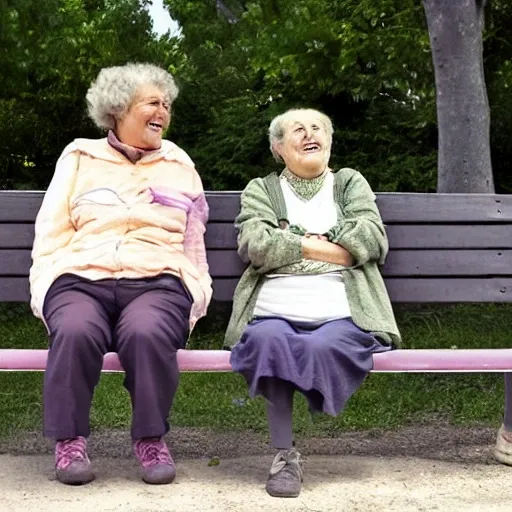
(464, 161)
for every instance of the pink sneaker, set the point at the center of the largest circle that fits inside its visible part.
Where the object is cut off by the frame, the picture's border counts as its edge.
(72, 465)
(155, 459)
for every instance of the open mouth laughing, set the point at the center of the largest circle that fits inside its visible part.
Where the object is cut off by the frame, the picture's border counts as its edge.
(154, 126)
(311, 147)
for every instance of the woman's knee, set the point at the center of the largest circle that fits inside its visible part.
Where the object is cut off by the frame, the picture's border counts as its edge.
(152, 332)
(265, 331)
(80, 328)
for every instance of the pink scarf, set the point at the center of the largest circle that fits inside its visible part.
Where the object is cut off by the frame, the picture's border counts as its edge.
(132, 153)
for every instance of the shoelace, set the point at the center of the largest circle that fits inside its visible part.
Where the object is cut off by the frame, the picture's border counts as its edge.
(152, 451)
(284, 458)
(70, 450)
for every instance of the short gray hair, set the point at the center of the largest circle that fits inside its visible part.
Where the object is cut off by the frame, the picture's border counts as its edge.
(278, 126)
(114, 89)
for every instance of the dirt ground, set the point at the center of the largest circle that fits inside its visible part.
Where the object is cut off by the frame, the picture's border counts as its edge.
(418, 468)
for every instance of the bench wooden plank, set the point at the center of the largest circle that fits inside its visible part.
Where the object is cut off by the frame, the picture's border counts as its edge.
(437, 208)
(22, 206)
(410, 360)
(401, 290)
(417, 290)
(19, 206)
(446, 290)
(403, 236)
(16, 236)
(450, 236)
(21, 235)
(224, 206)
(14, 289)
(15, 262)
(222, 235)
(451, 263)
(423, 290)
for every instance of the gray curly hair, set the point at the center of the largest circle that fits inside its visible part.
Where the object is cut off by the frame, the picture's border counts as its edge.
(114, 89)
(278, 126)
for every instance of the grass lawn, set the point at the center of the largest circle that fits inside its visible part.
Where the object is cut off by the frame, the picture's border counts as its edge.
(221, 401)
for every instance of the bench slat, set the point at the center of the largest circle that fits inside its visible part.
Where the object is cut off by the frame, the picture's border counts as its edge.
(401, 290)
(452, 236)
(446, 290)
(447, 208)
(19, 206)
(403, 236)
(16, 236)
(450, 263)
(417, 290)
(222, 235)
(14, 289)
(21, 236)
(22, 206)
(422, 360)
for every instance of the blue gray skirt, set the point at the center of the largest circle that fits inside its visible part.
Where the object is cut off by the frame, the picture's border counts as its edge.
(326, 363)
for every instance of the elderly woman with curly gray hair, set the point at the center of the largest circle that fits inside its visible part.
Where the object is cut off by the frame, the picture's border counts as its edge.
(119, 265)
(311, 308)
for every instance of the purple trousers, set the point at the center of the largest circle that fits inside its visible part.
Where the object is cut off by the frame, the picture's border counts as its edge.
(144, 320)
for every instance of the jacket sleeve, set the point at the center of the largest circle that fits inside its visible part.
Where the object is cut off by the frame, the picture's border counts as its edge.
(195, 248)
(361, 230)
(261, 242)
(53, 226)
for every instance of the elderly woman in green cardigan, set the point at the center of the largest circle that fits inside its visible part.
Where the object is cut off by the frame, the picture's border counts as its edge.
(311, 308)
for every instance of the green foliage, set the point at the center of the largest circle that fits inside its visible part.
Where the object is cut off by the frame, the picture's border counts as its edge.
(366, 63)
(53, 50)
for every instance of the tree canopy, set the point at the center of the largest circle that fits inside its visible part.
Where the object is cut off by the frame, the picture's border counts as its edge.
(365, 63)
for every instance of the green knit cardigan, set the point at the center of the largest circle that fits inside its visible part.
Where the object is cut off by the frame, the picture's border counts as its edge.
(266, 245)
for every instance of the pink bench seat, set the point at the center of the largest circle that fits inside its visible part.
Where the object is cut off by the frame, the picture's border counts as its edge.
(407, 360)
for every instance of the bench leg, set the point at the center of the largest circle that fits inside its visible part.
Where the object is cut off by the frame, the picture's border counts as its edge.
(507, 418)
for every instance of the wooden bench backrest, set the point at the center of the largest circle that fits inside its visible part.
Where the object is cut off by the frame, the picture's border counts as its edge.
(444, 247)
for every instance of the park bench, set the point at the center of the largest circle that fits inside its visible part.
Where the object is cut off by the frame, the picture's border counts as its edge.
(445, 248)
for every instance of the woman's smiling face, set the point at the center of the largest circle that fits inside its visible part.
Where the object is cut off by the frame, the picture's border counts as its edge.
(146, 119)
(305, 147)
